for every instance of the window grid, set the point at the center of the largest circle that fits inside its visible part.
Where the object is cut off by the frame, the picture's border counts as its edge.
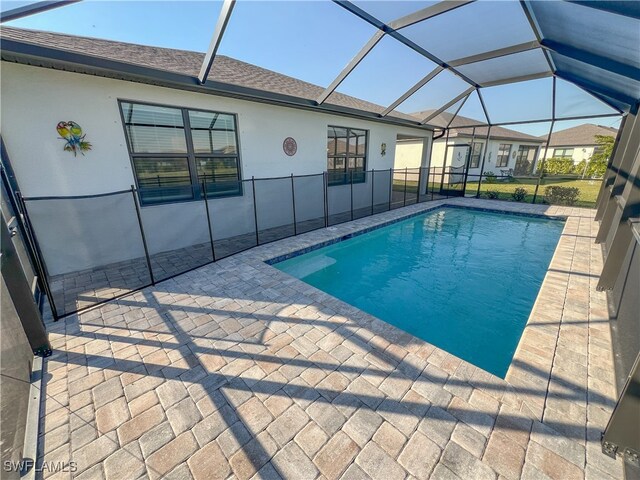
(563, 153)
(504, 150)
(166, 177)
(525, 159)
(347, 159)
(475, 155)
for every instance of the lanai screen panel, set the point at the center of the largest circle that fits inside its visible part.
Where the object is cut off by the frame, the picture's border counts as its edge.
(520, 102)
(504, 25)
(478, 27)
(443, 88)
(388, 11)
(389, 70)
(591, 44)
(122, 20)
(522, 64)
(444, 118)
(610, 36)
(471, 114)
(604, 82)
(295, 32)
(595, 47)
(572, 101)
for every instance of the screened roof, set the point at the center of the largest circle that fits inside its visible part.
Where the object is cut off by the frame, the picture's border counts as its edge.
(488, 62)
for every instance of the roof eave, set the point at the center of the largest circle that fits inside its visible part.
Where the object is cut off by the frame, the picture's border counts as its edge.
(573, 145)
(40, 56)
(501, 137)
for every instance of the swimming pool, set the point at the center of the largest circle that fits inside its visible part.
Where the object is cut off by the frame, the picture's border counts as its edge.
(464, 280)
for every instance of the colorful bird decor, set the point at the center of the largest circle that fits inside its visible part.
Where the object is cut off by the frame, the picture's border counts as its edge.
(72, 133)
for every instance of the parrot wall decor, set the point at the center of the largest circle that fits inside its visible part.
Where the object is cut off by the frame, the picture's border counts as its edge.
(72, 133)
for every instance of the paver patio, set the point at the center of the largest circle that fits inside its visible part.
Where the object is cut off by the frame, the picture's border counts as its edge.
(236, 370)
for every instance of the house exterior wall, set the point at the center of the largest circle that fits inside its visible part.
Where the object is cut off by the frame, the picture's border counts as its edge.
(456, 153)
(581, 152)
(36, 99)
(438, 152)
(78, 235)
(408, 154)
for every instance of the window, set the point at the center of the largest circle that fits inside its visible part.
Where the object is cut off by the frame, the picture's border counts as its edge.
(175, 150)
(563, 153)
(346, 155)
(504, 150)
(476, 153)
(525, 160)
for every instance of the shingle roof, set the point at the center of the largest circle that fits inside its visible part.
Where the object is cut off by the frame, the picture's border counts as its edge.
(496, 132)
(225, 69)
(481, 131)
(584, 134)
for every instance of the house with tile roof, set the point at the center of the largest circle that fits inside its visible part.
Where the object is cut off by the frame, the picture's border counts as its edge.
(576, 143)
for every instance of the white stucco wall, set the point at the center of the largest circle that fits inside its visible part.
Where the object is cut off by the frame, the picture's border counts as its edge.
(408, 154)
(456, 154)
(583, 152)
(437, 153)
(35, 99)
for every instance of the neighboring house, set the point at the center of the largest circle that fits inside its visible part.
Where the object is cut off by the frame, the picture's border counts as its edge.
(509, 151)
(576, 143)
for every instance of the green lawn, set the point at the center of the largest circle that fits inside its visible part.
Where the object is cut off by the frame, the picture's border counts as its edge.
(412, 187)
(588, 188)
(587, 198)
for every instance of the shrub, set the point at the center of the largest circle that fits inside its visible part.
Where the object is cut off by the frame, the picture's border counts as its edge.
(579, 168)
(519, 194)
(596, 168)
(558, 166)
(557, 195)
(489, 177)
(593, 168)
(598, 162)
(492, 194)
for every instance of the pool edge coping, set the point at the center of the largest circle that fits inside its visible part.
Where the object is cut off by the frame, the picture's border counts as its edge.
(535, 411)
(302, 251)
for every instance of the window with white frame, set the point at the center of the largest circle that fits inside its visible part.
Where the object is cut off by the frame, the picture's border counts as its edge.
(563, 153)
(476, 153)
(504, 150)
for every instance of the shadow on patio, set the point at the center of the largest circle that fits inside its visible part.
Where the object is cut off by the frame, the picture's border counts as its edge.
(220, 371)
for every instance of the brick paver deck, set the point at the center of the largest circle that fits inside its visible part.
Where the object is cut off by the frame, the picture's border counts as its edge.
(236, 370)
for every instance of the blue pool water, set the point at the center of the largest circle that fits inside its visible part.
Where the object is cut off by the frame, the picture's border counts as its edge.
(463, 280)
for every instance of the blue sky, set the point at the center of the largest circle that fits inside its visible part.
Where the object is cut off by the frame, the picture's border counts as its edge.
(310, 40)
